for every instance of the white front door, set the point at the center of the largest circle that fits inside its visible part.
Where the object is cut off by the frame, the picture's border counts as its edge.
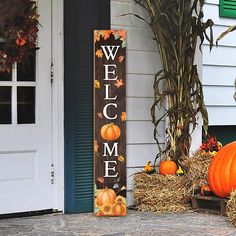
(25, 128)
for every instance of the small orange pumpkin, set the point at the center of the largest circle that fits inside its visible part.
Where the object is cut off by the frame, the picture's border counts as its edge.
(119, 209)
(205, 190)
(106, 196)
(222, 171)
(110, 132)
(168, 168)
(20, 42)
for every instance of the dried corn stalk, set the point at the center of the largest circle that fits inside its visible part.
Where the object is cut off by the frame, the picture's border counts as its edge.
(177, 25)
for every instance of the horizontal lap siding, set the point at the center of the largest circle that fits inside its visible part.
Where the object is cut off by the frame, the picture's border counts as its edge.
(219, 70)
(142, 63)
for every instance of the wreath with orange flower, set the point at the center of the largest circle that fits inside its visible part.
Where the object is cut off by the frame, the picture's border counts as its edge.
(18, 32)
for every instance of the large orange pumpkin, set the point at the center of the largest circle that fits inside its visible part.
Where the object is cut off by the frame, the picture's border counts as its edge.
(222, 171)
(106, 196)
(168, 168)
(110, 132)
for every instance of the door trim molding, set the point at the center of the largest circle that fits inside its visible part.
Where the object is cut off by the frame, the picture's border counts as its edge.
(58, 103)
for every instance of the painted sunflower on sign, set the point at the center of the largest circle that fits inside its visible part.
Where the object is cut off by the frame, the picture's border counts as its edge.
(18, 32)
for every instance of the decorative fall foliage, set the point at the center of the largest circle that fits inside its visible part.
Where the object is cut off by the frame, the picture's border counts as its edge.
(96, 146)
(211, 145)
(100, 180)
(121, 58)
(99, 53)
(121, 158)
(119, 83)
(97, 84)
(105, 34)
(123, 116)
(100, 115)
(18, 33)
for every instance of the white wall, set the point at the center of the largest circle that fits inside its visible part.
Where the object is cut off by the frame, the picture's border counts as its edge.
(142, 63)
(219, 70)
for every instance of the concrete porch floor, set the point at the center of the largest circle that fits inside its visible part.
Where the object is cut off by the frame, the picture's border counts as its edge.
(135, 223)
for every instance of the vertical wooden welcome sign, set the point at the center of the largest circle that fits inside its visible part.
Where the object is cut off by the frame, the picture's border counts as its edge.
(110, 122)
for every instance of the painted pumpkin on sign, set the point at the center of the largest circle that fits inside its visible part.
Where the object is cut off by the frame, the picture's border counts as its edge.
(222, 171)
(119, 209)
(168, 168)
(106, 196)
(110, 132)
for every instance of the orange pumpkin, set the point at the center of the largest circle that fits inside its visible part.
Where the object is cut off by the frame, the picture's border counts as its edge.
(168, 168)
(20, 42)
(119, 209)
(110, 132)
(106, 196)
(222, 171)
(205, 190)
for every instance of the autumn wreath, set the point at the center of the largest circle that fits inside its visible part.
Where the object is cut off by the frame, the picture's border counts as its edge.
(18, 31)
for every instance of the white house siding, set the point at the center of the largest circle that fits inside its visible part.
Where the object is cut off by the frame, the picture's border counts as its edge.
(142, 63)
(219, 70)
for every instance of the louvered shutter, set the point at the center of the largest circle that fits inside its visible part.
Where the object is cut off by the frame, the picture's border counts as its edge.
(228, 8)
(80, 19)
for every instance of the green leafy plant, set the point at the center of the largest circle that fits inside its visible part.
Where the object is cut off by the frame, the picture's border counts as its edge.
(177, 26)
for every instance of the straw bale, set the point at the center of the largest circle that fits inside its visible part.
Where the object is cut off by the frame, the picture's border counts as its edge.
(196, 169)
(231, 208)
(160, 193)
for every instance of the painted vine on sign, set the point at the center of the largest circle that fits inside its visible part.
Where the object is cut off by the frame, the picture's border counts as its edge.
(110, 123)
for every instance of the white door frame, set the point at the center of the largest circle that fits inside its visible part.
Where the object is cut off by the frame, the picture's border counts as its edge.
(58, 103)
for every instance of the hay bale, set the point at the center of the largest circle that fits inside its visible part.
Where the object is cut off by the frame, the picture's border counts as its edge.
(196, 169)
(160, 193)
(231, 208)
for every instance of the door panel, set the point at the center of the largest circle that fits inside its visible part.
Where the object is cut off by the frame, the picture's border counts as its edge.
(25, 128)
